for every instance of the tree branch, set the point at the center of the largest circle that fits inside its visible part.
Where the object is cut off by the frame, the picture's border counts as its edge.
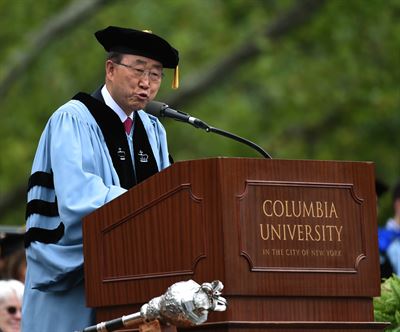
(298, 15)
(56, 26)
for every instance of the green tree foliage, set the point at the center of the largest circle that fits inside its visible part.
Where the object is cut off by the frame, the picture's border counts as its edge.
(326, 89)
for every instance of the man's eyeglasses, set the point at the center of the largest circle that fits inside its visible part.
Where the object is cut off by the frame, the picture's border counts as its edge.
(154, 75)
(12, 310)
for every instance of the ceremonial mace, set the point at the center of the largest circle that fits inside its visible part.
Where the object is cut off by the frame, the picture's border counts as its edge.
(184, 304)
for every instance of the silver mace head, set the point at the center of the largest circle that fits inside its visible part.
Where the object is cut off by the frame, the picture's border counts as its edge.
(186, 303)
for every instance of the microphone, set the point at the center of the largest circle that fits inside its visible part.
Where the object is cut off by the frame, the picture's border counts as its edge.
(160, 109)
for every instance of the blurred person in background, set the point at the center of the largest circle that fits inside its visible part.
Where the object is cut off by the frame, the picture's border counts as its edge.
(16, 266)
(11, 292)
(389, 239)
(12, 253)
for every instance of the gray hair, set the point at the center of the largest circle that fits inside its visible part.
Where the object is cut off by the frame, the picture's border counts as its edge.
(9, 288)
(115, 56)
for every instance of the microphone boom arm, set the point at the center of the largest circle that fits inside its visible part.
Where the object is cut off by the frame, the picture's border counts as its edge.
(202, 125)
(239, 139)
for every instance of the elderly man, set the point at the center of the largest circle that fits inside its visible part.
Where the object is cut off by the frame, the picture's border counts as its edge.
(92, 150)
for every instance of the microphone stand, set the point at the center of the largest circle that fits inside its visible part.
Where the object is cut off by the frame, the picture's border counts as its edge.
(240, 139)
(202, 125)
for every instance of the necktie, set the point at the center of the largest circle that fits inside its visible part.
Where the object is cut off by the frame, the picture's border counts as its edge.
(128, 125)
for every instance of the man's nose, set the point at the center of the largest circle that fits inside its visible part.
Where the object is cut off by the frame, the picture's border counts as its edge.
(144, 80)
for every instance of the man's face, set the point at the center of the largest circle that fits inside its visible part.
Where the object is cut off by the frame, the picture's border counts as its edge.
(134, 81)
(10, 315)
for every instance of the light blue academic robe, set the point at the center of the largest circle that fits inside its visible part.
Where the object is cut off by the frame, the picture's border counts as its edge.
(72, 146)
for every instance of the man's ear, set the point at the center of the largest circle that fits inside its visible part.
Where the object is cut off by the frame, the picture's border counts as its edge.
(110, 68)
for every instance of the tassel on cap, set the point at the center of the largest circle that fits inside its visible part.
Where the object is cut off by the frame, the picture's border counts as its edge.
(175, 81)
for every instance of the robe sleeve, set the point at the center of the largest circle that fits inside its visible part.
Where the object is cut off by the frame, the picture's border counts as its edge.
(84, 180)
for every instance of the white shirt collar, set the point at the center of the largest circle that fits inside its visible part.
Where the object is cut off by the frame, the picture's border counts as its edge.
(110, 102)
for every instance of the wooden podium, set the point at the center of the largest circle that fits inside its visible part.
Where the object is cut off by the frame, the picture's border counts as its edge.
(293, 241)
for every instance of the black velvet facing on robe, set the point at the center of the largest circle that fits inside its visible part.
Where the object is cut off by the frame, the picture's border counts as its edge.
(42, 179)
(114, 134)
(117, 144)
(44, 235)
(48, 209)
